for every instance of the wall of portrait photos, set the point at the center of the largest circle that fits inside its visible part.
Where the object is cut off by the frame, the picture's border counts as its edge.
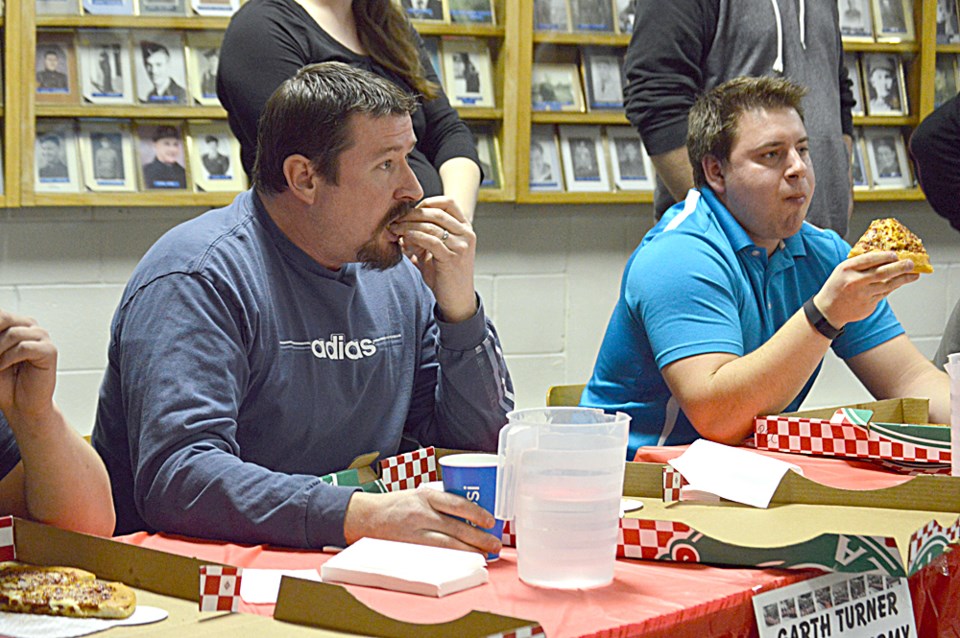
(131, 61)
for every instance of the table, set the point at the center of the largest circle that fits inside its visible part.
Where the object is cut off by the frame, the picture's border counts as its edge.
(646, 599)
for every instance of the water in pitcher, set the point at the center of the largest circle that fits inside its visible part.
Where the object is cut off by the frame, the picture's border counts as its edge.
(567, 519)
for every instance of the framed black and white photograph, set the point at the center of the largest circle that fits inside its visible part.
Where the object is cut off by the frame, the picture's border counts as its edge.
(488, 152)
(948, 24)
(163, 7)
(108, 7)
(221, 8)
(591, 15)
(555, 86)
(861, 174)
(160, 69)
(55, 67)
(883, 78)
(471, 11)
(55, 157)
(106, 154)
(468, 78)
(852, 63)
(57, 7)
(856, 20)
(432, 45)
(584, 162)
(626, 16)
(551, 15)
(431, 10)
(203, 56)
(945, 81)
(887, 155)
(545, 168)
(161, 156)
(629, 162)
(602, 69)
(105, 69)
(215, 157)
(893, 20)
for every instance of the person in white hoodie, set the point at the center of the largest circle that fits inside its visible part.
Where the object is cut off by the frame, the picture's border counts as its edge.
(682, 48)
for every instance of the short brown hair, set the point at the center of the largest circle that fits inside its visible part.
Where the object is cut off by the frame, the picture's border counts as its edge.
(713, 120)
(310, 114)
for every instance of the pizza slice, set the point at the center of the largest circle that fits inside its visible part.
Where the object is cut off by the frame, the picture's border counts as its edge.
(62, 591)
(890, 235)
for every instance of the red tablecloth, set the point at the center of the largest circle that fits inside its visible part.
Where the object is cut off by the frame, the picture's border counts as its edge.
(646, 599)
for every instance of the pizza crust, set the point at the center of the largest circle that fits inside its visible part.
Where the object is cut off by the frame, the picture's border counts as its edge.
(921, 261)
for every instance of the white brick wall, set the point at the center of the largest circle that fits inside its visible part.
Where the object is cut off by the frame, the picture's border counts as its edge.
(548, 275)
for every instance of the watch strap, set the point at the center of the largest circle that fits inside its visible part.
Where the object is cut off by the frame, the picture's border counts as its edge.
(818, 321)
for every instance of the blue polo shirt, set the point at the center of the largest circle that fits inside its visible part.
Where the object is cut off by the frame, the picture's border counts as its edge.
(697, 284)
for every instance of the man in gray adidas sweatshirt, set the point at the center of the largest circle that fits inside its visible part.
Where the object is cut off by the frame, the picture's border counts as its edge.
(682, 48)
(267, 343)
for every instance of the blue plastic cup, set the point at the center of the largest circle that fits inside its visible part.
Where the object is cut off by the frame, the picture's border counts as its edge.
(474, 477)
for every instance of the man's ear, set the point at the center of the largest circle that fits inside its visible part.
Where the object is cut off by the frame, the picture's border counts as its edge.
(302, 179)
(713, 171)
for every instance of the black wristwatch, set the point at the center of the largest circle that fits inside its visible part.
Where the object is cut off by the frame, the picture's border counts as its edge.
(816, 318)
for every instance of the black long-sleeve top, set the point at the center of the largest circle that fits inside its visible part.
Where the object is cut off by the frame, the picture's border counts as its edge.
(268, 41)
(934, 146)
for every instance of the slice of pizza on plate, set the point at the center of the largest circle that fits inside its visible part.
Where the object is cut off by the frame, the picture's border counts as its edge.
(890, 235)
(62, 591)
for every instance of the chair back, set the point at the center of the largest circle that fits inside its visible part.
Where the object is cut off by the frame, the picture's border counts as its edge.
(565, 395)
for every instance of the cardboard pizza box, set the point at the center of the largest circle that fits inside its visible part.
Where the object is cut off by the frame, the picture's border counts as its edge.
(898, 530)
(894, 433)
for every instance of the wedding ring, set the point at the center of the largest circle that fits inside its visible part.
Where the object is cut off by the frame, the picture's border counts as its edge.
(444, 236)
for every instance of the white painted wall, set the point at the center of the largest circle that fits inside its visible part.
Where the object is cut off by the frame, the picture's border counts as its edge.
(549, 277)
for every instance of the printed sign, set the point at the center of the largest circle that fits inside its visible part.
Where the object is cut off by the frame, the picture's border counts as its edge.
(837, 605)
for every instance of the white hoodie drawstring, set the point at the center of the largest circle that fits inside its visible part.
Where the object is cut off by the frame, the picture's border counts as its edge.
(778, 63)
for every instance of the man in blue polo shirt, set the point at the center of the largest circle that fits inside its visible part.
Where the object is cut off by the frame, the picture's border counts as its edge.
(730, 302)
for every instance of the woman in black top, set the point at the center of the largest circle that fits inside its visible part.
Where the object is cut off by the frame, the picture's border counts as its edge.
(268, 41)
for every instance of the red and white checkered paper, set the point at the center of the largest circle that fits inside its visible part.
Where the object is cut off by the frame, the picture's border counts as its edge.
(7, 549)
(637, 538)
(673, 481)
(220, 588)
(407, 471)
(843, 438)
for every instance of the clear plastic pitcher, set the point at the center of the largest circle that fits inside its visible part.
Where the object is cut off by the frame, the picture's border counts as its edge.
(560, 479)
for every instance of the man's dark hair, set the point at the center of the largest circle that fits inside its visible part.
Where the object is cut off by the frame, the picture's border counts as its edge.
(211, 138)
(51, 137)
(53, 51)
(713, 120)
(165, 130)
(310, 115)
(148, 48)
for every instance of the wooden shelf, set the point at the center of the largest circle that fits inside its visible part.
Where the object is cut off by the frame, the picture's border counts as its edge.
(479, 113)
(581, 38)
(143, 198)
(611, 117)
(881, 47)
(471, 30)
(888, 195)
(883, 120)
(201, 23)
(605, 197)
(953, 47)
(492, 195)
(131, 111)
